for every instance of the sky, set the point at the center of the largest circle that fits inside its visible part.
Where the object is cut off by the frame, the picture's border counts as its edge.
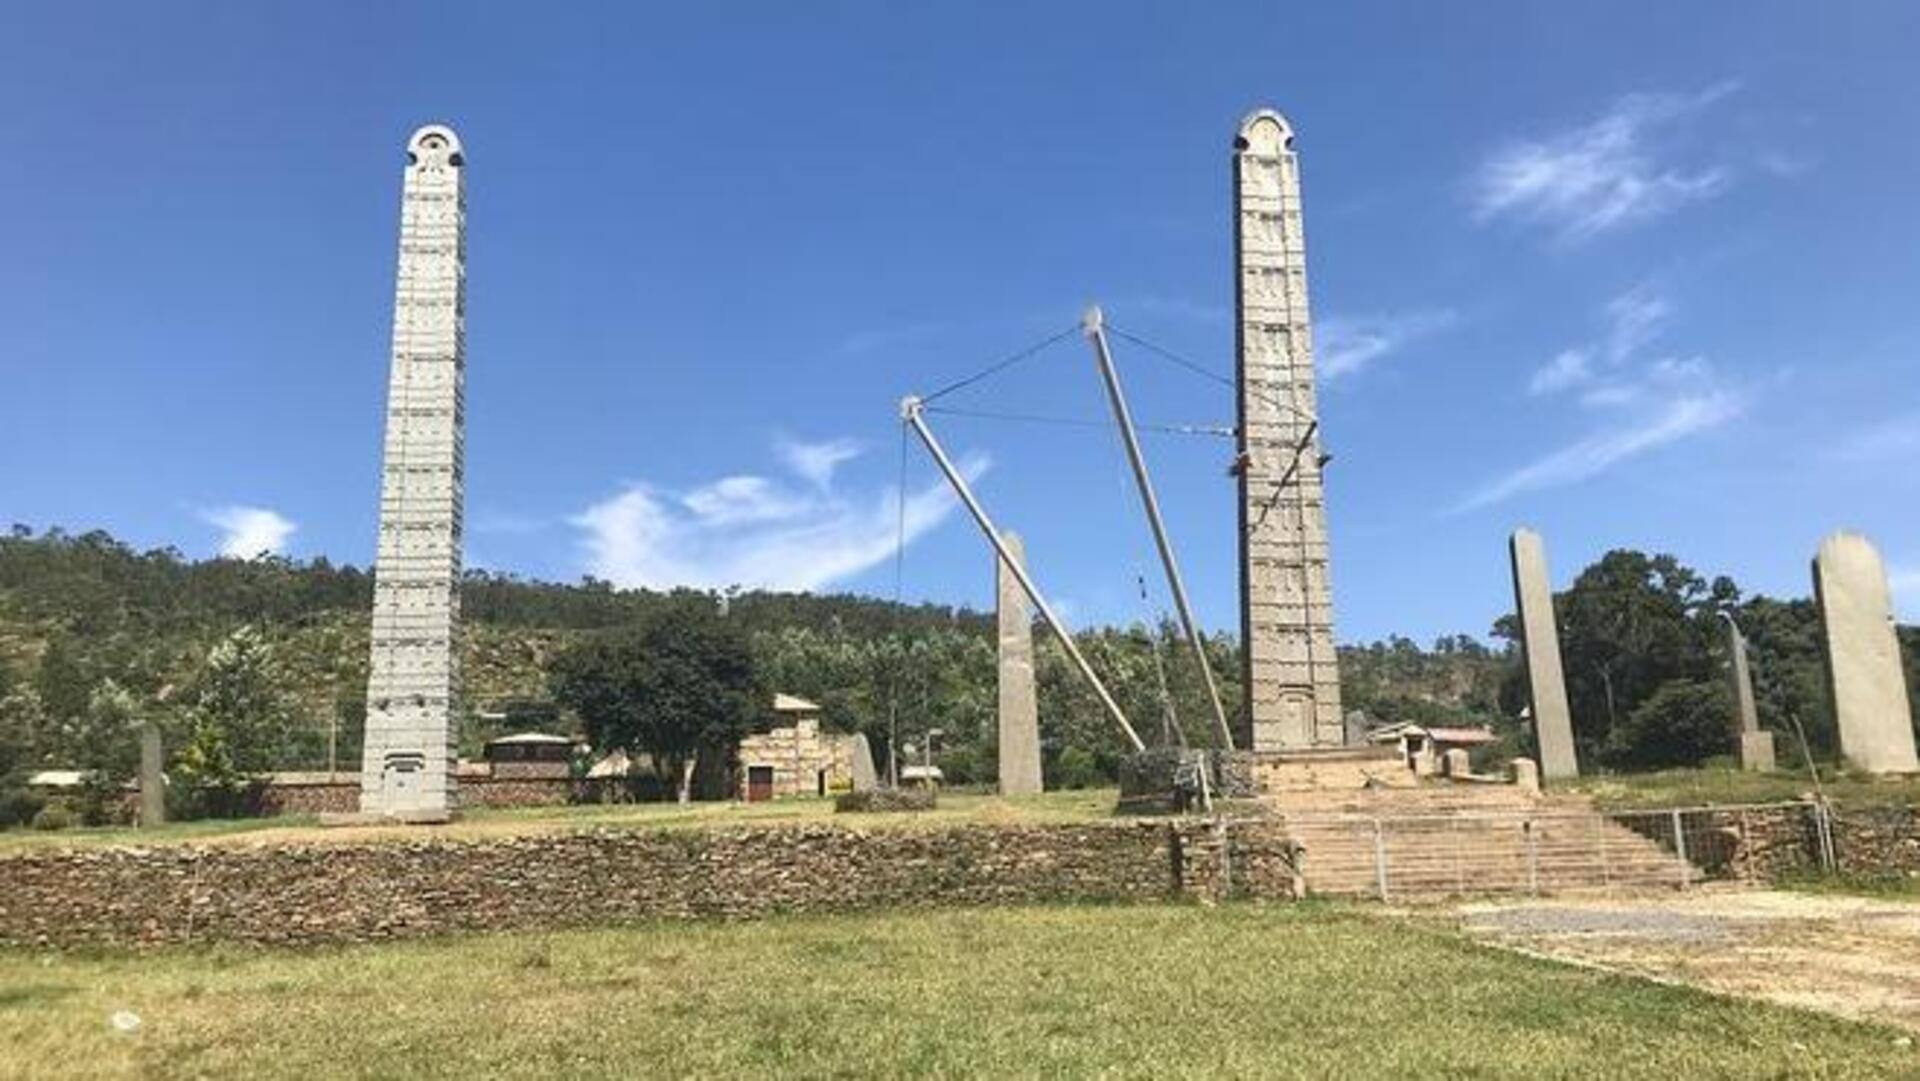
(1630, 274)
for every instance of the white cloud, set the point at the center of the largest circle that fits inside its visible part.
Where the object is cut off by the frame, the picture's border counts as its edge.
(817, 461)
(1675, 419)
(754, 532)
(1600, 176)
(1631, 320)
(249, 531)
(1895, 437)
(1348, 344)
(1570, 368)
(1634, 318)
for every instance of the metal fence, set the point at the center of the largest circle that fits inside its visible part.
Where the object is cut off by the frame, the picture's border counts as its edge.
(1536, 852)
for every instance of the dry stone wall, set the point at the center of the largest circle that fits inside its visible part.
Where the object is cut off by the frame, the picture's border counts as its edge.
(354, 892)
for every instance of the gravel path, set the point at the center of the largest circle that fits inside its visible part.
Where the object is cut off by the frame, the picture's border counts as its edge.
(1845, 955)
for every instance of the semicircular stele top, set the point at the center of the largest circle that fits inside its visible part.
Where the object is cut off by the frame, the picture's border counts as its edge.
(435, 144)
(1264, 131)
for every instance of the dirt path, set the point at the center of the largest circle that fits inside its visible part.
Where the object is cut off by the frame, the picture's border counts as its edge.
(1850, 956)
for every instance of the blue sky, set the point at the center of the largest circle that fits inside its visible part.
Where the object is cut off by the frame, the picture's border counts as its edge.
(1631, 274)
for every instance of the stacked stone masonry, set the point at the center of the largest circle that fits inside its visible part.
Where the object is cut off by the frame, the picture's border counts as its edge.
(1286, 601)
(352, 892)
(413, 687)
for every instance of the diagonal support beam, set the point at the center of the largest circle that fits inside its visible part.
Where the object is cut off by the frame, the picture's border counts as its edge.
(912, 412)
(1095, 326)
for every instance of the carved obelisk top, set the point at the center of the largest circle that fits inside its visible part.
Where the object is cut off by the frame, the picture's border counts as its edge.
(1289, 668)
(413, 683)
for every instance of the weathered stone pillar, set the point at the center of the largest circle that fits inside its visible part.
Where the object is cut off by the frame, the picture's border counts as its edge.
(1540, 644)
(1755, 745)
(1019, 706)
(153, 781)
(1865, 682)
(413, 686)
(1290, 672)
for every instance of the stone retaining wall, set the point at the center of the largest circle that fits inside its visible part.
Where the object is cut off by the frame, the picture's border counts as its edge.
(1770, 843)
(361, 891)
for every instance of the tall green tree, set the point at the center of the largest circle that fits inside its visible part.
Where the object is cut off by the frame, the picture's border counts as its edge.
(680, 686)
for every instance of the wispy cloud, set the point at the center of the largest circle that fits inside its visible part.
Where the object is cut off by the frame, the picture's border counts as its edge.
(1569, 368)
(1646, 403)
(1602, 175)
(1348, 344)
(1631, 321)
(755, 531)
(249, 532)
(891, 336)
(1895, 437)
(1673, 420)
(817, 461)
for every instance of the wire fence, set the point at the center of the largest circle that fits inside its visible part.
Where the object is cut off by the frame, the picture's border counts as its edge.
(1546, 852)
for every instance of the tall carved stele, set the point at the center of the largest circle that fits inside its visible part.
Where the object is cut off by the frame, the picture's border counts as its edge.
(413, 686)
(1290, 671)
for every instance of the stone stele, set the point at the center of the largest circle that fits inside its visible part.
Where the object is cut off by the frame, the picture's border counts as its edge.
(1755, 744)
(1865, 683)
(1540, 642)
(1289, 666)
(153, 780)
(1019, 707)
(864, 778)
(413, 687)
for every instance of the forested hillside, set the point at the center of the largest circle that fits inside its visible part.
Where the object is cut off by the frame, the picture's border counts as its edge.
(79, 614)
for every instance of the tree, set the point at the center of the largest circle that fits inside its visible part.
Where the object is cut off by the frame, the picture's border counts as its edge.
(21, 720)
(239, 722)
(1680, 724)
(681, 685)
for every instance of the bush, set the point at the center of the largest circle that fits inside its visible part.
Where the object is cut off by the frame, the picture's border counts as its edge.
(881, 800)
(1681, 724)
(18, 806)
(54, 816)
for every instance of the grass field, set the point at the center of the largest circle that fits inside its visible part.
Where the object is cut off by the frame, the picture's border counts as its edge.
(1156, 991)
(1694, 787)
(955, 807)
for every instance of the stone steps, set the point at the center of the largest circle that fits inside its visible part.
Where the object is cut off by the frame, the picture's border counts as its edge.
(1444, 855)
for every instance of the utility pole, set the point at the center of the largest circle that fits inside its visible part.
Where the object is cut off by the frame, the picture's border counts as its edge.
(912, 412)
(1095, 325)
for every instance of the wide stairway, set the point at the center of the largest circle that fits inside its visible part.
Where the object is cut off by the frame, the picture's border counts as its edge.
(1441, 839)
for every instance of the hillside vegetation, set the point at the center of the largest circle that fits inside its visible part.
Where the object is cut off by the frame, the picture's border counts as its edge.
(96, 636)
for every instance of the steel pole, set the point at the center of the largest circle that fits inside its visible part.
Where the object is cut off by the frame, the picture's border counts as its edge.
(1095, 325)
(910, 412)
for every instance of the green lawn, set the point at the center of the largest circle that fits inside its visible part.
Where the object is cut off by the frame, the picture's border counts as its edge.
(1051, 807)
(1155, 991)
(1695, 787)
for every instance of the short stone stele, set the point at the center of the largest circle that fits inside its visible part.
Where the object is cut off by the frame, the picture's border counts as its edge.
(1755, 743)
(1865, 683)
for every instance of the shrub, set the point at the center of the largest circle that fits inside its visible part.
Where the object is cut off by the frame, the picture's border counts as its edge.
(54, 816)
(880, 800)
(18, 806)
